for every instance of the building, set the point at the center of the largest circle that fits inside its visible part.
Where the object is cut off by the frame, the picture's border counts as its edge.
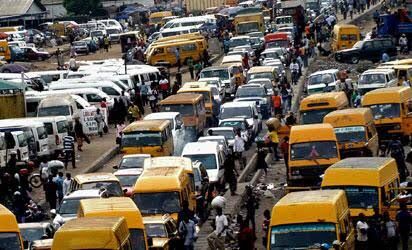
(21, 11)
(55, 8)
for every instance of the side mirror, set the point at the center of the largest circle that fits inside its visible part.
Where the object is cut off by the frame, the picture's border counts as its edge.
(125, 191)
(256, 117)
(178, 126)
(116, 167)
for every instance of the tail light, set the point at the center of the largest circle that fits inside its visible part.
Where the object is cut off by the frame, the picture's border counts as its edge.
(57, 140)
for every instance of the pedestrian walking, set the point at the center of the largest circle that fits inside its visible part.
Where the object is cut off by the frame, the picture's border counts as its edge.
(59, 182)
(68, 151)
(216, 240)
(251, 207)
(187, 232)
(177, 55)
(153, 97)
(106, 43)
(198, 68)
(284, 148)
(231, 174)
(134, 112)
(390, 232)
(190, 65)
(274, 141)
(164, 87)
(246, 237)
(238, 149)
(396, 151)
(19, 207)
(43, 169)
(144, 90)
(99, 118)
(404, 221)
(265, 226)
(50, 190)
(362, 233)
(261, 160)
(119, 131)
(294, 69)
(80, 136)
(277, 103)
(66, 183)
(73, 64)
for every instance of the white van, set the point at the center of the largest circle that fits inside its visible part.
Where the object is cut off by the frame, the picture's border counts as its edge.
(33, 99)
(71, 202)
(57, 127)
(3, 150)
(246, 109)
(52, 75)
(91, 95)
(317, 81)
(376, 78)
(59, 105)
(179, 31)
(21, 146)
(30, 79)
(38, 130)
(112, 23)
(124, 86)
(107, 87)
(211, 157)
(178, 130)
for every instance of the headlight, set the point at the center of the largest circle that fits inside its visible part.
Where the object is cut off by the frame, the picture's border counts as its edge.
(295, 172)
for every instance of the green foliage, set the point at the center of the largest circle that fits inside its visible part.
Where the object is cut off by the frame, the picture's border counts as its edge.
(83, 7)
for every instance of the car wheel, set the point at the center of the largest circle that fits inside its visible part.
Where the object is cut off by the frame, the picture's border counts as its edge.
(354, 60)
(6, 71)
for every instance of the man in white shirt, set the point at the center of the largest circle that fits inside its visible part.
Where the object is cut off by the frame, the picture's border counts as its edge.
(239, 148)
(66, 183)
(362, 232)
(216, 239)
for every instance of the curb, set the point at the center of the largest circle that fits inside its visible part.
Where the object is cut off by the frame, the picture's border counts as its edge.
(248, 169)
(99, 162)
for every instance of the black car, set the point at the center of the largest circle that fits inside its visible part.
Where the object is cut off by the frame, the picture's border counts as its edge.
(371, 49)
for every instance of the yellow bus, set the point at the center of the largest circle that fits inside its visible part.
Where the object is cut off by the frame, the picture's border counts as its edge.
(162, 190)
(301, 219)
(156, 18)
(314, 107)
(344, 36)
(10, 237)
(178, 38)
(191, 107)
(166, 52)
(369, 182)
(206, 91)
(118, 207)
(152, 137)
(5, 52)
(355, 130)
(392, 111)
(107, 181)
(109, 233)
(312, 149)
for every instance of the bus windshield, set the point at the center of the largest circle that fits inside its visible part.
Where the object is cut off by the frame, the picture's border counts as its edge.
(351, 134)
(360, 197)
(385, 110)
(158, 203)
(183, 109)
(141, 138)
(313, 150)
(10, 241)
(54, 111)
(314, 116)
(301, 236)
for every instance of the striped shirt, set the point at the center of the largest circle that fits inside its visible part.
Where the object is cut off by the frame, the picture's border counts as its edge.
(68, 143)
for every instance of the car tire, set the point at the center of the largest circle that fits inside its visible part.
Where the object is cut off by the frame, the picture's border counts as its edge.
(354, 60)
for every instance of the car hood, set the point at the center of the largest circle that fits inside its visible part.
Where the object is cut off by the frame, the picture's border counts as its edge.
(252, 99)
(348, 50)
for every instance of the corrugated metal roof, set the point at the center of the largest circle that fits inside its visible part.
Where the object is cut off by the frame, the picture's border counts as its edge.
(49, 2)
(17, 7)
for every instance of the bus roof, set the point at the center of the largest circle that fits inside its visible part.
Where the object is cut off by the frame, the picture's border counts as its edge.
(159, 179)
(167, 161)
(369, 171)
(93, 177)
(112, 207)
(147, 125)
(387, 95)
(324, 100)
(321, 206)
(92, 233)
(8, 220)
(194, 86)
(183, 98)
(349, 117)
(312, 132)
(261, 69)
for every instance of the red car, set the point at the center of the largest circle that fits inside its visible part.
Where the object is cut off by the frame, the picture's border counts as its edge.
(32, 54)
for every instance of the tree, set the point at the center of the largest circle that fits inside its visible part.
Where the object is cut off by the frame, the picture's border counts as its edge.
(83, 7)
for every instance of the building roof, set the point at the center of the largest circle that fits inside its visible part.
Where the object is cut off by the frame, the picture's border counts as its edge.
(51, 2)
(19, 7)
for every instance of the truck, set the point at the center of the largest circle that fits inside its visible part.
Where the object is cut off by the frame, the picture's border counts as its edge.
(395, 25)
(247, 23)
(201, 5)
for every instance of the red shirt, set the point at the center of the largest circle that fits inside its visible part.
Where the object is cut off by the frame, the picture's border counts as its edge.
(277, 101)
